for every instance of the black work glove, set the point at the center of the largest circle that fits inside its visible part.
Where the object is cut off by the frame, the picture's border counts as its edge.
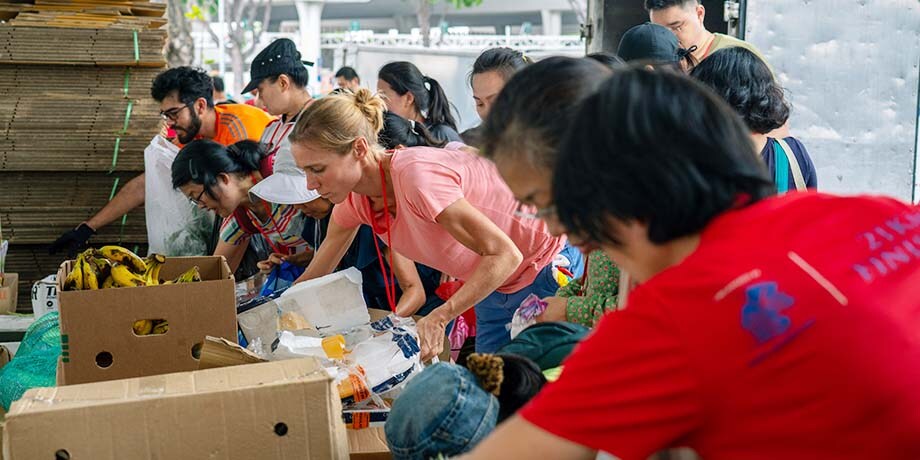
(72, 240)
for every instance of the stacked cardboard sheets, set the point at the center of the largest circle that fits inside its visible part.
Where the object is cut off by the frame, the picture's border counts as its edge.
(76, 116)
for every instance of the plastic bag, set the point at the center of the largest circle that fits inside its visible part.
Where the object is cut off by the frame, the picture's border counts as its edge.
(35, 362)
(526, 315)
(175, 226)
(281, 277)
(464, 326)
(380, 367)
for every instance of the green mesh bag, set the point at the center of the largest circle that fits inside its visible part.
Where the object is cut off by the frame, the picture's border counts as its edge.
(35, 362)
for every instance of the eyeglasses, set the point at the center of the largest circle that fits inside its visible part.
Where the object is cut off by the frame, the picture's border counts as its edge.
(197, 200)
(173, 114)
(541, 213)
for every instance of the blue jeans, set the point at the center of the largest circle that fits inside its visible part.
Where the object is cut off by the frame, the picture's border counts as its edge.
(494, 313)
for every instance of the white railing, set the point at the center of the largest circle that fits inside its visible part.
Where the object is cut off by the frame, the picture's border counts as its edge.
(452, 41)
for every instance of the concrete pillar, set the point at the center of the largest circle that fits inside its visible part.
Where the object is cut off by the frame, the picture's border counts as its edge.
(552, 22)
(609, 19)
(309, 15)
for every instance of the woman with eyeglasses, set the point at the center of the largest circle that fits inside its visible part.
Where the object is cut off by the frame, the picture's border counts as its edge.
(219, 179)
(443, 208)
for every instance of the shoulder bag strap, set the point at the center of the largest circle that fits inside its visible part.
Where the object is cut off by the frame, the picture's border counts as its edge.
(797, 176)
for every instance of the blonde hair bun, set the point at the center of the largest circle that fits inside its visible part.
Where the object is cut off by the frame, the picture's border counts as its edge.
(372, 106)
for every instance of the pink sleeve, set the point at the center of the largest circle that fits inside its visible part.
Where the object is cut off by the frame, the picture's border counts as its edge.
(345, 215)
(429, 188)
(626, 390)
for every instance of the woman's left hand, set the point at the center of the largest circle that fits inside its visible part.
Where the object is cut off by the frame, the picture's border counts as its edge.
(555, 310)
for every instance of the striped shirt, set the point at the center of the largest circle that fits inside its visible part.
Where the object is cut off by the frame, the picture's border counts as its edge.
(289, 221)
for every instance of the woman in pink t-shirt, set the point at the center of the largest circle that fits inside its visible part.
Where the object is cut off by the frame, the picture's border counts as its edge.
(444, 208)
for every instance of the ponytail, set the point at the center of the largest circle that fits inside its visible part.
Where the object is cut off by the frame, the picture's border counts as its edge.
(430, 99)
(399, 131)
(513, 379)
(202, 161)
(438, 105)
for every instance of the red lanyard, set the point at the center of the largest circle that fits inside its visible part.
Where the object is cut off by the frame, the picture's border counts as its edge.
(389, 283)
(283, 249)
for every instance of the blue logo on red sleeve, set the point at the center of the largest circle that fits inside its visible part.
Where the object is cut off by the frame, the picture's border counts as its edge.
(762, 312)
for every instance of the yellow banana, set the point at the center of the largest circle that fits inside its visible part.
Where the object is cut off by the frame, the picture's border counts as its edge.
(109, 283)
(154, 263)
(74, 280)
(190, 276)
(124, 257)
(100, 264)
(160, 328)
(124, 277)
(143, 327)
(90, 281)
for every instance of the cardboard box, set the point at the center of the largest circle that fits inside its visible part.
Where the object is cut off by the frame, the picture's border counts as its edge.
(97, 335)
(364, 444)
(279, 410)
(368, 444)
(9, 292)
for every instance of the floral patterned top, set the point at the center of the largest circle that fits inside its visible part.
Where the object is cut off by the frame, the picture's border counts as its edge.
(600, 294)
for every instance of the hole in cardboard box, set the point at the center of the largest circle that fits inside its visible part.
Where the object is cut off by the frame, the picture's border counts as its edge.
(196, 350)
(145, 327)
(104, 359)
(281, 429)
(62, 455)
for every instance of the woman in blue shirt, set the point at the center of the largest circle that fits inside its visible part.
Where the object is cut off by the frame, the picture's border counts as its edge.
(747, 84)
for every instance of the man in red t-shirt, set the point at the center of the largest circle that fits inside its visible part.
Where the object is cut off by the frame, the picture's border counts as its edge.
(762, 328)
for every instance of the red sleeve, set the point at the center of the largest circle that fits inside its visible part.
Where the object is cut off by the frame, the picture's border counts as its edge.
(429, 188)
(626, 390)
(345, 214)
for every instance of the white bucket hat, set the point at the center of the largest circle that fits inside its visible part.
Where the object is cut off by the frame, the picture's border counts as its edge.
(287, 184)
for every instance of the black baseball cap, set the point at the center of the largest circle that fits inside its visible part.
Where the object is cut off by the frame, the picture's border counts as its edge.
(280, 56)
(649, 42)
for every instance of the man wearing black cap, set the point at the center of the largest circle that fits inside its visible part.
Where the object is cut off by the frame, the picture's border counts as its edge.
(653, 44)
(685, 19)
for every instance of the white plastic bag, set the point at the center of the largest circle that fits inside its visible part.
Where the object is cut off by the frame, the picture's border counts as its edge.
(44, 296)
(175, 226)
(332, 304)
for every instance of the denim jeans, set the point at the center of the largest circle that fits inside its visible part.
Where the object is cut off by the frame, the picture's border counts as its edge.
(494, 313)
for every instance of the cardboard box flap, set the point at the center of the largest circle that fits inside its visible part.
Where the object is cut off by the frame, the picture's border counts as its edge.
(220, 352)
(180, 384)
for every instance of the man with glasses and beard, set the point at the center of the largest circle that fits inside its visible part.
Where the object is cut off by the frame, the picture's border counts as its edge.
(185, 95)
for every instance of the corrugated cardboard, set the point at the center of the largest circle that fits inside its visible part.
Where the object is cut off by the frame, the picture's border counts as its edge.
(9, 292)
(368, 444)
(97, 322)
(279, 410)
(364, 444)
(218, 352)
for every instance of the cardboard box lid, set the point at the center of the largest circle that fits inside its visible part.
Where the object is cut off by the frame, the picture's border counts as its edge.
(219, 352)
(217, 380)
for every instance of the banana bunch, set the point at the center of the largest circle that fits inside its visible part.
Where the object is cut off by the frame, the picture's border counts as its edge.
(150, 326)
(116, 267)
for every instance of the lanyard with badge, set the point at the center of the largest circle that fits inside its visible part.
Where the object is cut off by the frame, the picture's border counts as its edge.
(389, 282)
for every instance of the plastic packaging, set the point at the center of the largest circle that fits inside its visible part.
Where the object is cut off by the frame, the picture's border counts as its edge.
(44, 296)
(526, 315)
(35, 362)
